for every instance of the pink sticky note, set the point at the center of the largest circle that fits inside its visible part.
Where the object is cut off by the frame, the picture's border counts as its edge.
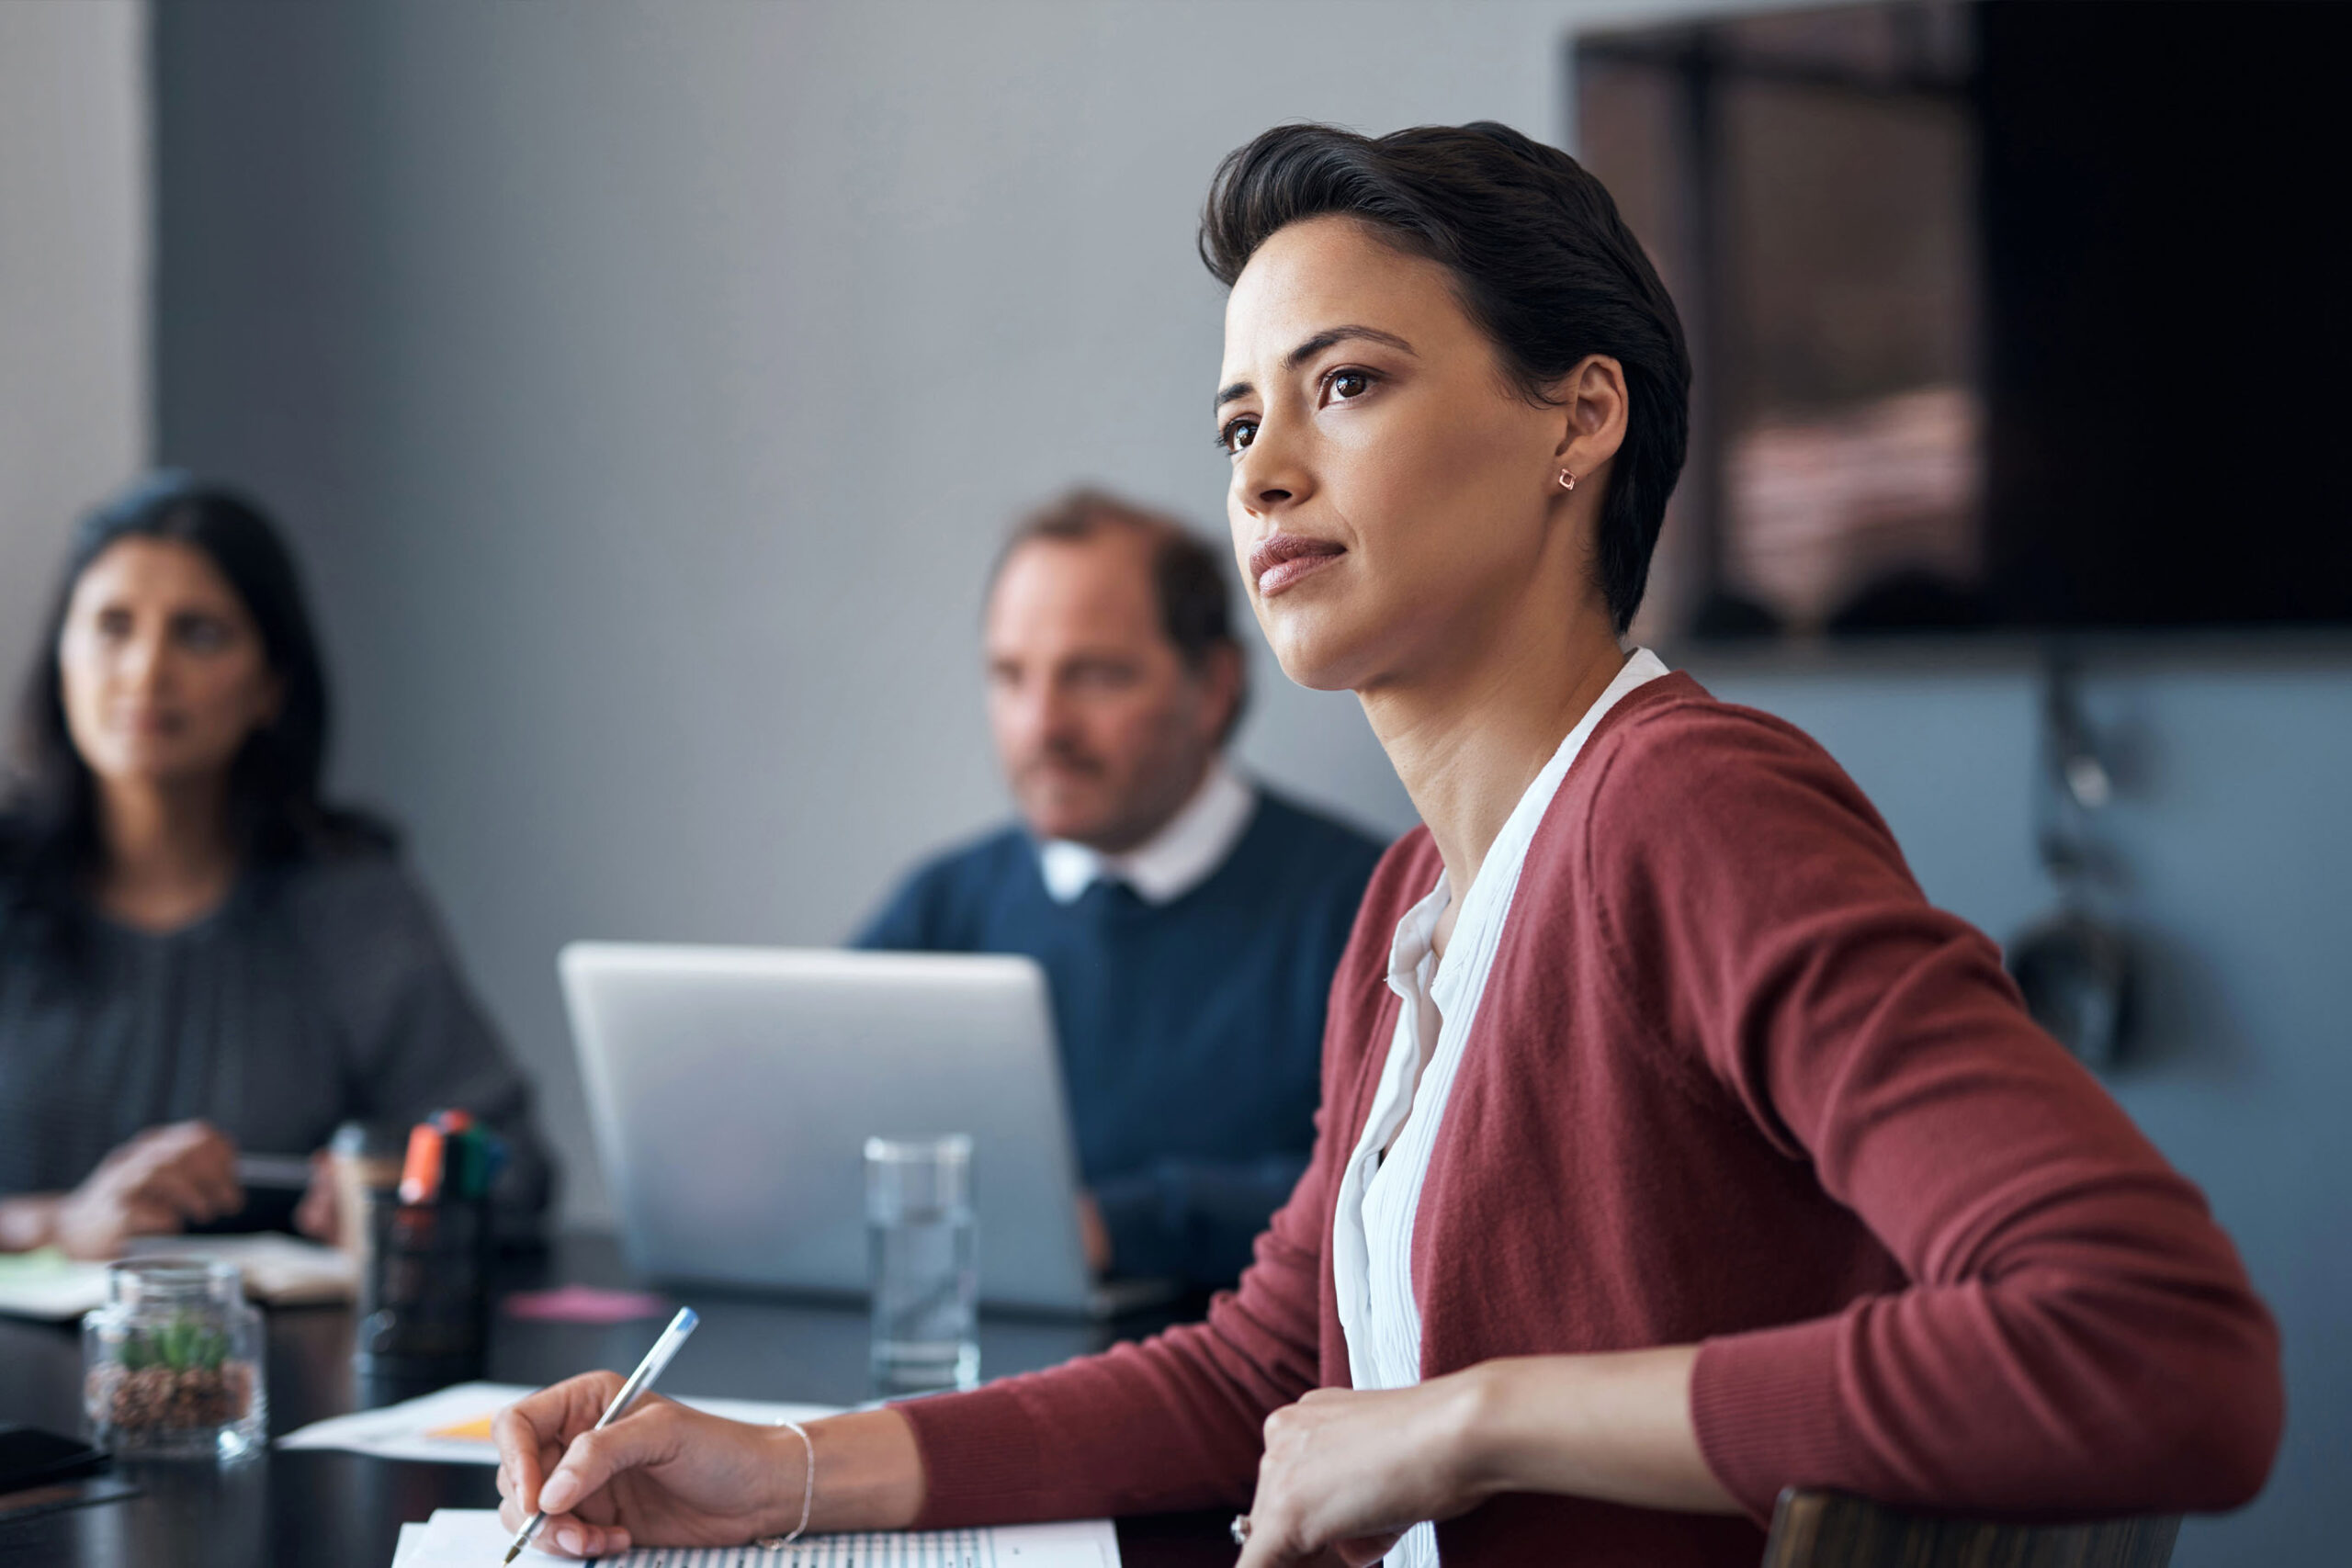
(584, 1304)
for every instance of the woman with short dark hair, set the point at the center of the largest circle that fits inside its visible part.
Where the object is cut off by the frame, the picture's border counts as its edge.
(1673, 1149)
(198, 953)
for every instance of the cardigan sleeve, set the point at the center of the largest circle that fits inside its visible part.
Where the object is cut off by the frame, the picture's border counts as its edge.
(2079, 1337)
(1175, 1422)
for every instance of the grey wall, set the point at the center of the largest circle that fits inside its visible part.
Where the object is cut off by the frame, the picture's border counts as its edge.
(648, 386)
(73, 352)
(651, 387)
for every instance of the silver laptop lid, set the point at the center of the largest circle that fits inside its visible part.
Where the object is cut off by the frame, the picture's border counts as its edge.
(732, 1091)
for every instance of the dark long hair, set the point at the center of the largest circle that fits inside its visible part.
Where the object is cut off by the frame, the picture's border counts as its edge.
(1540, 258)
(49, 832)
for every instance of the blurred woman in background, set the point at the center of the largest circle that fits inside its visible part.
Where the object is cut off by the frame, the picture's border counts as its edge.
(197, 955)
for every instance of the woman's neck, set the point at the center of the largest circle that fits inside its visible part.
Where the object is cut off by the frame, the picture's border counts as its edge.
(1468, 741)
(167, 860)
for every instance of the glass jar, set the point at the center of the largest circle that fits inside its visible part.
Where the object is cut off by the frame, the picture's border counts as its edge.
(172, 1364)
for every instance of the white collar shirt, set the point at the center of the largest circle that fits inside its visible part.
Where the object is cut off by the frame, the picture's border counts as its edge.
(1172, 861)
(1371, 1242)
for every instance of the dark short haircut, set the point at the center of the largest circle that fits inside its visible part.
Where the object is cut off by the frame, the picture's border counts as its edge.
(1187, 572)
(49, 832)
(1540, 259)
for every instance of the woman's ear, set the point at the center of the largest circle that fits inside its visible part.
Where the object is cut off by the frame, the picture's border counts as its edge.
(1593, 407)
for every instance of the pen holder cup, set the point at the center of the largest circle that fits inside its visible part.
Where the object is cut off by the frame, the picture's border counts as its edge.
(424, 1289)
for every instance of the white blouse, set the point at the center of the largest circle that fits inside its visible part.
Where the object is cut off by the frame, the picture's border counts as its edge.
(1372, 1241)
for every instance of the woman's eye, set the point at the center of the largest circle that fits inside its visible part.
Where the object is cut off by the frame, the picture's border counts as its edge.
(203, 634)
(1350, 384)
(1236, 434)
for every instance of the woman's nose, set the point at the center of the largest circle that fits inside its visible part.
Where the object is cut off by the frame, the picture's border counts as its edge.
(142, 661)
(1268, 476)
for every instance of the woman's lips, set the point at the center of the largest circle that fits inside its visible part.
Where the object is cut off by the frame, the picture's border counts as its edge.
(1285, 559)
(146, 721)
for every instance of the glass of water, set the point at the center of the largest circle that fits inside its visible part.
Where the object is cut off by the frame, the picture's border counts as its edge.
(924, 1252)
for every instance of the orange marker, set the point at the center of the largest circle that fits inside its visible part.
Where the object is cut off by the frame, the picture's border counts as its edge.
(420, 1177)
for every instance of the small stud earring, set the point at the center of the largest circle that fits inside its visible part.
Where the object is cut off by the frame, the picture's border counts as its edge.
(1567, 480)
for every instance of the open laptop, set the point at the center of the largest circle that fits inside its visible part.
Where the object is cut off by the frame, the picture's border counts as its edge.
(732, 1091)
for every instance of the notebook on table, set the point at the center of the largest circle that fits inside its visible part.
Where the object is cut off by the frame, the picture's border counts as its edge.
(471, 1537)
(280, 1269)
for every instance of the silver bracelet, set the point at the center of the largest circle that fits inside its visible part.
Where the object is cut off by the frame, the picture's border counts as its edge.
(807, 1491)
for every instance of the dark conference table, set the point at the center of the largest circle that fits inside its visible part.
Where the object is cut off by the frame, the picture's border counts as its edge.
(312, 1509)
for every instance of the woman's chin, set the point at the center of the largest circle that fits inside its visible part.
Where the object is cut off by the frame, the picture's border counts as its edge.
(1314, 658)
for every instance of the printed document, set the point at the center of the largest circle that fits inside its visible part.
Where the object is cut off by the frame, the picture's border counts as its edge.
(472, 1538)
(452, 1427)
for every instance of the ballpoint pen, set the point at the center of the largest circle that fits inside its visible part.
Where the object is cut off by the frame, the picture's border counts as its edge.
(290, 1173)
(638, 1382)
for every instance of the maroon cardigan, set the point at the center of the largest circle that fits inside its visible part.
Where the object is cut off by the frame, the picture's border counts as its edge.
(1734, 1082)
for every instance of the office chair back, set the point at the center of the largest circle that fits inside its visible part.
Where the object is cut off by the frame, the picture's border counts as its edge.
(1831, 1529)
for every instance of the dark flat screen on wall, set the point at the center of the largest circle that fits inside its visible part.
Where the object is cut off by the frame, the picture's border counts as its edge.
(2016, 315)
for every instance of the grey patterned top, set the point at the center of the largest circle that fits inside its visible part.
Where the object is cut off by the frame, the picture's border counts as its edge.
(317, 992)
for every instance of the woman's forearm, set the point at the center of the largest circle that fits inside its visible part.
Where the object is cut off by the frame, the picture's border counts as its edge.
(1359, 1468)
(869, 1472)
(1615, 1427)
(27, 1221)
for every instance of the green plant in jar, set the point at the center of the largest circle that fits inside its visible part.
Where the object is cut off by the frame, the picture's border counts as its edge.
(173, 1361)
(183, 1345)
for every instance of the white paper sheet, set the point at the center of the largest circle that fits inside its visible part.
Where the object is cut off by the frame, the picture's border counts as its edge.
(472, 1538)
(405, 1430)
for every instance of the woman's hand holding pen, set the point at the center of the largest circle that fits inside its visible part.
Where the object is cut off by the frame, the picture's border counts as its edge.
(668, 1475)
(159, 1182)
(663, 1474)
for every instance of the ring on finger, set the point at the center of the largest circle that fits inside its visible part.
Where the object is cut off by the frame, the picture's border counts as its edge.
(1240, 1529)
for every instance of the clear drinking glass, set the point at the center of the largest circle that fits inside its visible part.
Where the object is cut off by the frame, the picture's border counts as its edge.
(172, 1363)
(924, 1253)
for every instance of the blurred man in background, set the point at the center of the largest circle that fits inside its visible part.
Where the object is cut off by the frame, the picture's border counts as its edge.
(1188, 919)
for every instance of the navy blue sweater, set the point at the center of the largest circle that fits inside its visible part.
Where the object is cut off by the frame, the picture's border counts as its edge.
(1191, 1031)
